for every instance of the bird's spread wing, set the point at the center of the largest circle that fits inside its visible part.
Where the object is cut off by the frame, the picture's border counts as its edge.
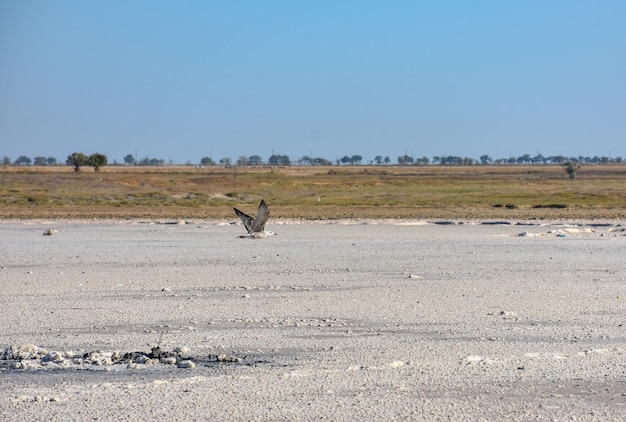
(245, 219)
(258, 225)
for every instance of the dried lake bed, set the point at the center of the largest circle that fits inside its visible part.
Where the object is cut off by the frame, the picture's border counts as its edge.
(336, 320)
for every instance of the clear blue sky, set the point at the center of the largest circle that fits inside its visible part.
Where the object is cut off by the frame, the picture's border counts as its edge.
(183, 80)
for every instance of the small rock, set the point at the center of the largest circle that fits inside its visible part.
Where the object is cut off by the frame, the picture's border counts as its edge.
(477, 360)
(508, 315)
(54, 357)
(181, 349)
(141, 359)
(227, 358)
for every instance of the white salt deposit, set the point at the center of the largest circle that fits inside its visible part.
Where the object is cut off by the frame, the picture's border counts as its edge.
(365, 320)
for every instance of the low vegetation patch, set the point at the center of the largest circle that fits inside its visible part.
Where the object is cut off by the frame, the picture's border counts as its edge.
(558, 206)
(313, 192)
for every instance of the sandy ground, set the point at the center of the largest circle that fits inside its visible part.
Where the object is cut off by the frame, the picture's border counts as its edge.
(336, 320)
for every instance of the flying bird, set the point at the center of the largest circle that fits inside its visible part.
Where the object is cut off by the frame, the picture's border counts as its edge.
(256, 226)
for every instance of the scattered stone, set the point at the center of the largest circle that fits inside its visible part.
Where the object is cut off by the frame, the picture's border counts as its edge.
(29, 356)
(141, 359)
(477, 360)
(55, 357)
(227, 358)
(508, 315)
(50, 232)
(181, 350)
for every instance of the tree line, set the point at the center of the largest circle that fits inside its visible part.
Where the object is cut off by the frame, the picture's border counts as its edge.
(97, 160)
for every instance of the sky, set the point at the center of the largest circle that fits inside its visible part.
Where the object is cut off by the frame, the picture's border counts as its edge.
(179, 81)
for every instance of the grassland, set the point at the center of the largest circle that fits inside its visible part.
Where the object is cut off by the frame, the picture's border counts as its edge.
(473, 192)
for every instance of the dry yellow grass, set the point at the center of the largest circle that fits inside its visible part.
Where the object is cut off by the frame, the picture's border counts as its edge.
(314, 192)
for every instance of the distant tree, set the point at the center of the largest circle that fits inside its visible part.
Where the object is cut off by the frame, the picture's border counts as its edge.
(457, 161)
(422, 161)
(405, 160)
(571, 168)
(226, 161)
(539, 159)
(387, 160)
(51, 161)
(151, 162)
(23, 161)
(320, 162)
(255, 160)
(356, 159)
(6, 161)
(279, 160)
(557, 159)
(130, 160)
(345, 159)
(40, 161)
(207, 161)
(97, 160)
(242, 161)
(77, 160)
(468, 161)
(305, 160)
(485, 159)
(378, 160)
